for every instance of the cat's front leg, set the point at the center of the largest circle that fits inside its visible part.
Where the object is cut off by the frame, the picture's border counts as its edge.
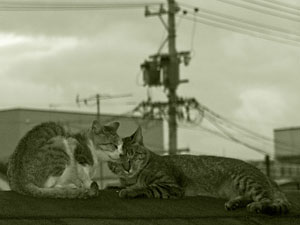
(131, 192)
(237, 202)
(152, 191)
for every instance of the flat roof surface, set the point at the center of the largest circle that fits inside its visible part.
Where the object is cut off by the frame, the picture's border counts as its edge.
(108, 208)
(72, 112)
(287, 128)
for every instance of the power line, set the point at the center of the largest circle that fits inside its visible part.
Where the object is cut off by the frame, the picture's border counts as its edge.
(254, 136)
(242, 31)
(280, 15)
(225, 132)
(72, 3)
(283, 4)
(218, 134)
(193, 31)
(65, 6)
(227, 136)
(251, 28)
(274, 7)
(240, 20)
(216, 118)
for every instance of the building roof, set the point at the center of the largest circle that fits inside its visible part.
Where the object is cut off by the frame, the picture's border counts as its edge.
(108, 208)
(68, 112)
(287, 128)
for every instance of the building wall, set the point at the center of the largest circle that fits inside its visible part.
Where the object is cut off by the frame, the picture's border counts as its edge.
(287, 144)
(15, 123)
(9, 132)
(280, 171)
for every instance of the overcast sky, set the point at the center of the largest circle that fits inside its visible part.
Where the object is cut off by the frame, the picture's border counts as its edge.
(50, 57)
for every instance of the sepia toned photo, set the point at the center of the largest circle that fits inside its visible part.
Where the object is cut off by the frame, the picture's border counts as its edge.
(150, 112)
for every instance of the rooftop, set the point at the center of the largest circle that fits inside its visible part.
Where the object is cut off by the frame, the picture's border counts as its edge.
(108, 208)
(68, 112)
(287, 128)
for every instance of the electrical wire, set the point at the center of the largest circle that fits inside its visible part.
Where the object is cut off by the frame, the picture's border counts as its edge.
(274, 7)
(242, 31)
(65, 6)
(216, 118)
(137, 78)
(282, 16)
(286, 147)
(283, 4)
(250, 27)
(247, 22)
(193, 34)
(230, 136)
(193, 128)
(164, 40)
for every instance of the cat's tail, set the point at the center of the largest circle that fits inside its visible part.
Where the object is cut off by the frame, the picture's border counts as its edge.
(275, 202)
(63, 192)
(280, 203)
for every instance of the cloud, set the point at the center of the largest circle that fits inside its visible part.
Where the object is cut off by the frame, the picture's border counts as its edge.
(72, 65)
(265, 107)
(20, 93)
(49, 57)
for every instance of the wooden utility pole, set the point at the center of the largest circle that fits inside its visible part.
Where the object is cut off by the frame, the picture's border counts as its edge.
(173, 76)
(97, 98)
(163, 69)
(268, 166)
(98, 107)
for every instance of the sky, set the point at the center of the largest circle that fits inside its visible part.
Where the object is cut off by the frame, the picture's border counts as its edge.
(49, 57)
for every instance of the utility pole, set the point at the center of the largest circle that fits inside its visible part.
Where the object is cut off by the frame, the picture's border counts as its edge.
(173, 75)
(267, 162)
(97, 98)
(163, 69)
(98, 107)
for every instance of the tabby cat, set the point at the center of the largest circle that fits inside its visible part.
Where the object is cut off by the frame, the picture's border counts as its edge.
(145, 174)
(49, 162)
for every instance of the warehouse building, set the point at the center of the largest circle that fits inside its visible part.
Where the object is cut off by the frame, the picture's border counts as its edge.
(287, 144)
(14, 123)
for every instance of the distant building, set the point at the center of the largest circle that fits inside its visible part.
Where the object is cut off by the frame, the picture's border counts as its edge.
(287, 144)
(285, 168)
(14, 123)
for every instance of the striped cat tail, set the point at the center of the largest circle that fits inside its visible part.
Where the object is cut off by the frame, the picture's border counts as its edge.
(270, 200)
(64, 192)
(280, 204)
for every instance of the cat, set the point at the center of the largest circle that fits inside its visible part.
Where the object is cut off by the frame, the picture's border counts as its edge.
(51, 163)
(146, 174)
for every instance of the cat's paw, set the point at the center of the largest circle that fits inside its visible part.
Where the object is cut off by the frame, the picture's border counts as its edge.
(128, 193)
(257, 207)
(94, 190)
(237, 202)
(232, 205)
(125, 193)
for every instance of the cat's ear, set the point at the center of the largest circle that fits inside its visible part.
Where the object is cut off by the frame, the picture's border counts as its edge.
(137, 137)
(96, 127)
(114, 126)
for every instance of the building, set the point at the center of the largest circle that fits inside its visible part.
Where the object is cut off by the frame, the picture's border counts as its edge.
(14, 123)
(287, 144)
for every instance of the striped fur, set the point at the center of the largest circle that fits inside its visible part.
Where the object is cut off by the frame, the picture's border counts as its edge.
(145, 174)
(49, 162)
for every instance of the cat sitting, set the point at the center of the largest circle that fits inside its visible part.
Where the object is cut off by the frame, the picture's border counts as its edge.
(146, 174)
(48, 162)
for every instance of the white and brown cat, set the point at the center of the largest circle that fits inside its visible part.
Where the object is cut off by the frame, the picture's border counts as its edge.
(48, 162)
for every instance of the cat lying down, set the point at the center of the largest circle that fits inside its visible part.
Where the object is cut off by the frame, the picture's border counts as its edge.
(144, 174)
